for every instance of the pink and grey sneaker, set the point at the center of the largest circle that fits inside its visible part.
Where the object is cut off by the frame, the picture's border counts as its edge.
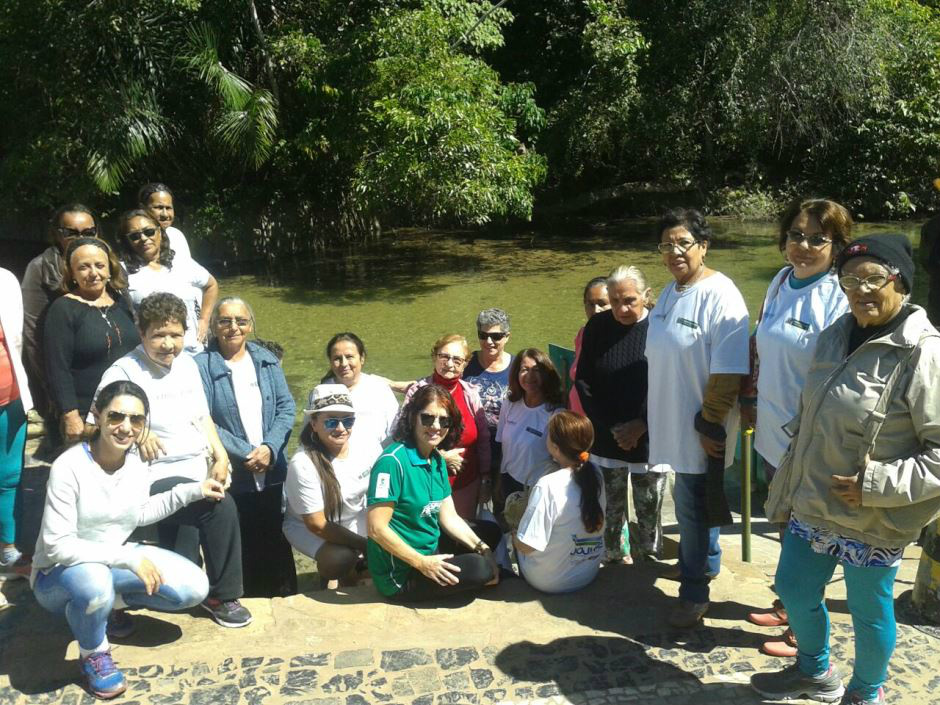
(102, 677)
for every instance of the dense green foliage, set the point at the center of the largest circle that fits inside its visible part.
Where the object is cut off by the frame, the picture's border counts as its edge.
(288, 125)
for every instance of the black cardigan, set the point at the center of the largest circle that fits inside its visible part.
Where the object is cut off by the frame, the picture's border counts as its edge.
(612, 382)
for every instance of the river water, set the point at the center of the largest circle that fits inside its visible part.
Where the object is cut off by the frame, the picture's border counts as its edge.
(402, 293)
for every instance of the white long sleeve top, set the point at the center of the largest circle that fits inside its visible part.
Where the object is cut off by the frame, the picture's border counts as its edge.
(89, 514)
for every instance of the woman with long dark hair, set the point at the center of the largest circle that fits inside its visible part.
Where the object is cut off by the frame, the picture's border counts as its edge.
(152, 266)
(560, 540)
(419, 546)
(326, 485)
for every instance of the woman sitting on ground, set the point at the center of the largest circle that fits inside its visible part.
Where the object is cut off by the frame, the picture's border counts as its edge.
(152, 266)
(327, 480)
(560, 540)
(468, 455)
(410, 503)
(84, 331)
(372, 398)
(98, 493)
(253, 411)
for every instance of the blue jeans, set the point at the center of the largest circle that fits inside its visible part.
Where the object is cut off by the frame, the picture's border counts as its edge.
(802, 575)
(699, 550)
(85, 592)
(12, 443)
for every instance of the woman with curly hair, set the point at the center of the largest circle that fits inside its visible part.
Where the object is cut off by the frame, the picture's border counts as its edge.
(419, 547)
(152, 267)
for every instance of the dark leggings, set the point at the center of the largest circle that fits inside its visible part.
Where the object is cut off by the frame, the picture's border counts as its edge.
(475, 570)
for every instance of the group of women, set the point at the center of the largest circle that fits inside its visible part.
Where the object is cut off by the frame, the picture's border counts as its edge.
(176, 414)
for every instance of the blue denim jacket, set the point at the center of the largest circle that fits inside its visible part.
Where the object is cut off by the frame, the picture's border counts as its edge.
(277, 413)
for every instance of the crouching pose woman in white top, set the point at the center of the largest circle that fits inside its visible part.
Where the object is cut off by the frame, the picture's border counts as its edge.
(560, 540)
(98, 493)
(326, 486)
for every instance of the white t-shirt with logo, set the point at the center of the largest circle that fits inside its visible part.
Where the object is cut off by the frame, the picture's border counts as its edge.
(786, 340)
(305, 494)
(178, 408)
(186, 279)
(566, 555)
(692, 334)
(523, 431)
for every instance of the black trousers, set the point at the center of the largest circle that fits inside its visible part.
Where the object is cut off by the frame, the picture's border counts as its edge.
(475, 570)
(267, 558)
(219, 537)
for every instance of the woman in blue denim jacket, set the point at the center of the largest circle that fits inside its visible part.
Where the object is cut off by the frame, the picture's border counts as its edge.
(253, 410)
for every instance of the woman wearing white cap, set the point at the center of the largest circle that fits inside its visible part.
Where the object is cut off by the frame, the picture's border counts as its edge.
(327, 480)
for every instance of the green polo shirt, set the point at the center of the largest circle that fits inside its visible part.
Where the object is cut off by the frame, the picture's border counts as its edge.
(416, 486)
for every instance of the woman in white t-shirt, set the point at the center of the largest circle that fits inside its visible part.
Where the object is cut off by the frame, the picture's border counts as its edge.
(803, 299)
(696, 351)
(534, 397)
(372, 397)
(560, 539)
(152, 266)
(327, 482)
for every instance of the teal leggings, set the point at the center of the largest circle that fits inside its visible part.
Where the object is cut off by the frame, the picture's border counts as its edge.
(12, 443)
(802, 575)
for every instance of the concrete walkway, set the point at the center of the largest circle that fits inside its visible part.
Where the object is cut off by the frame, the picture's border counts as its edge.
(606, 644)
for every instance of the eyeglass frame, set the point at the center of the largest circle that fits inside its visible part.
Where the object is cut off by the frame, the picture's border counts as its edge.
(444, 422)
(890, 277)
(333, 422)
(456, 359)
(798, 237)
(675, 247)
(492, 335)
(74, 233)
(135, 236)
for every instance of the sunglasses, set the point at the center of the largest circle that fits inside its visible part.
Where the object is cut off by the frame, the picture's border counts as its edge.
(797, 237)
(331, 424)
(136, 235)
(70, 233)
(495, 337)
(427, 420)
(116, 418)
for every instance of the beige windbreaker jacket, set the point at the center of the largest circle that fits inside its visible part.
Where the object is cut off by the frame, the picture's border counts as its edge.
(839, 415)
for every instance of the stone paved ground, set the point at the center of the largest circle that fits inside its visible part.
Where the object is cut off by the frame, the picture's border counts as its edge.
(606, 644)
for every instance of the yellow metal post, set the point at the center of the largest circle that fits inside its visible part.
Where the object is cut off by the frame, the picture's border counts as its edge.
(926, 597)
(747, 454)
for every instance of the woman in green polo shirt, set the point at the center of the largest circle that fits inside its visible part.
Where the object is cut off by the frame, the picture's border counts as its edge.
(410, 557)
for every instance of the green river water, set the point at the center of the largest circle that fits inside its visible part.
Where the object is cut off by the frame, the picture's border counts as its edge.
(402, 293)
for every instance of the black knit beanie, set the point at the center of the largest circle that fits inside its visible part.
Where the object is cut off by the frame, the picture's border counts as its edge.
(893, 249)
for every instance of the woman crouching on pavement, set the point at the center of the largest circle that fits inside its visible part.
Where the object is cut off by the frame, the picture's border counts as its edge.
(98, 493)
(410, 503)
(861, 477)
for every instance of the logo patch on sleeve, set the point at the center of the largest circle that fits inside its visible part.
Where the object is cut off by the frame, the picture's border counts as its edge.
(381, 485)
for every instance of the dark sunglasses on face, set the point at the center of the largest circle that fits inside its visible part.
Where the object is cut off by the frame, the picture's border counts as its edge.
(136, 235)
(797, 237)
(116, 418)
(427, 420)
(332, 424)
(70, 233)
(495, 337)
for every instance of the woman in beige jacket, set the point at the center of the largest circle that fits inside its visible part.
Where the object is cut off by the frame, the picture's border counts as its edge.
(862, 474)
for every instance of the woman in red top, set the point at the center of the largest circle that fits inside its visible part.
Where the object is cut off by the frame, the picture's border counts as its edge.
(450, 355)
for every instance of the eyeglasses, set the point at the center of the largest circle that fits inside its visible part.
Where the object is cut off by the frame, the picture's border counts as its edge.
(872, 283)
(456, 359)
(495, 337)
(116, 418)
(331, 424)
(70, 233)
(427, 420)
(667, 248)
(797, 237)
(136, 235)
(228, 322)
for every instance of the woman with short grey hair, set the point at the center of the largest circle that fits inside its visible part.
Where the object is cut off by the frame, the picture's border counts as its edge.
(488, 371)
(612, 383)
